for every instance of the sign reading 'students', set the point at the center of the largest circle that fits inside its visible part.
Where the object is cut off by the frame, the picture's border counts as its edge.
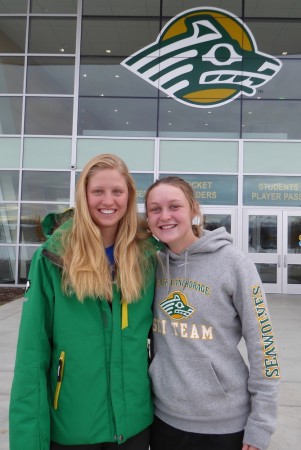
(204, 57)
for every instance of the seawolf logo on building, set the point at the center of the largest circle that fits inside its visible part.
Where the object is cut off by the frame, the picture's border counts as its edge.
(204, 57)
(176, 306)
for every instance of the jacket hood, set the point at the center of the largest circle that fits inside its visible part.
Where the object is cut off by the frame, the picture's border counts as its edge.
(54, 220)
(209, 242)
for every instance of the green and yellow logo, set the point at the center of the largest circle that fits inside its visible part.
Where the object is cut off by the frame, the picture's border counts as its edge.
(176, 306)
(204, 57)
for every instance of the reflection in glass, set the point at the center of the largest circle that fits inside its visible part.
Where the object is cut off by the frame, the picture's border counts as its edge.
(273, 8)
(179, 120)
(46, 186)
(25, 257)
(118, 8)
(48, 35)
(7, 264)
(47, 115)
(106, 76)
(213, 221)
(10, 115)
(262, 234)
(50, 75)
(11, 75)
(173, 7)
(53, 7)
(117, 117)
(9, 185)
(13, 7)
(12, 32)
(267, 272)
(294, 274)
(31, 218)
(8, 223)
(271, 119)
(120, 37)
(294, 234)
(142, 181)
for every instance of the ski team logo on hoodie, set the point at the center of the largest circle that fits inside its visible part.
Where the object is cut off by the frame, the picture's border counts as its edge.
(176, 306)
(204, 58)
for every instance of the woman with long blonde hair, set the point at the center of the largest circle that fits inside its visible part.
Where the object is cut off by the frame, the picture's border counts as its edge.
(81, 375)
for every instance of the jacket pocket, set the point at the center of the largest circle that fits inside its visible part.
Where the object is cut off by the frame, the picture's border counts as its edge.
(60, 374)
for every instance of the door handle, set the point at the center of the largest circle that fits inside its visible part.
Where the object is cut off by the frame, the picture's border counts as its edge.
(285, 261)
(279, 260)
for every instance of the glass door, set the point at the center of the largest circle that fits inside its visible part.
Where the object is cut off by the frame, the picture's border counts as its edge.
(262, 241)
(272, 239)
(215, 217)
(292, 252)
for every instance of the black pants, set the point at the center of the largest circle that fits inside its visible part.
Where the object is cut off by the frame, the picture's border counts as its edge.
(165, 437)
(138, 442)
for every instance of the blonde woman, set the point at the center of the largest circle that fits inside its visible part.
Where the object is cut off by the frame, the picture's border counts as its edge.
(81, 378)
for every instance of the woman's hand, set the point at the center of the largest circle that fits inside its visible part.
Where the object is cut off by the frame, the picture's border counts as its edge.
(249, 447)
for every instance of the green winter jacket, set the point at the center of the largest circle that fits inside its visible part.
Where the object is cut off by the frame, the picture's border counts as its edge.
(81, 373)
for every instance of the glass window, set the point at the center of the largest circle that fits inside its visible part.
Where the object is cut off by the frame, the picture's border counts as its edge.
(7, 264)
(25, 257)
(173, 7)
(273, 8)
(294, 234)
(262, 234)
(53, 6)
(267, 272)
(271, 191)
(142, 181)
(8, 223)
(179, 120)
(47, 115)
(11, 75)
(13, 7)
(9, 185)
(46, 75)
(118, 8)
(129, 150)
(12, 30)
(294, 274)
(10, 152)
(31, 218)
(52, 35)
(274, 119)
(212, 189)
(103, 37)
(285, 85)
(117, 117)
(272, 157)
(10, 115)
(213, 221)
(47, 153)
(46, 186)
(107, 77)
(205, 156)
(276, 37)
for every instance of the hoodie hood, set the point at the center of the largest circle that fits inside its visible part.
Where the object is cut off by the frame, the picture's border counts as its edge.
(209, 242)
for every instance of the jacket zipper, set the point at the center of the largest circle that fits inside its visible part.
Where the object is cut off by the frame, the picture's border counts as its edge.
(60, 373)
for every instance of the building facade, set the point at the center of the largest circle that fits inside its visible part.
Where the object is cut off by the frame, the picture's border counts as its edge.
(209, 91)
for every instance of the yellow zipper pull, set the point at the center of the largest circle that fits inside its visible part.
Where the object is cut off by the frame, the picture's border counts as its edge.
(124, 315)
(60, 373)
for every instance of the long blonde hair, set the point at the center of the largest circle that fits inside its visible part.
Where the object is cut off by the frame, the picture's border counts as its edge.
(85, 264)
(197, 226)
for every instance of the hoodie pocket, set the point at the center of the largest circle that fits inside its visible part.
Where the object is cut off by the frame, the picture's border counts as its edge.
(60, 374)
(189, 382)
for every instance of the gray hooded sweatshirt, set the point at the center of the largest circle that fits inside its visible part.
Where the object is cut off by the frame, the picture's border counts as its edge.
(207, 298)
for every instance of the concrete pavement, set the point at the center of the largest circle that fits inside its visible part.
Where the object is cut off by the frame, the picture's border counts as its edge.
(285, 312)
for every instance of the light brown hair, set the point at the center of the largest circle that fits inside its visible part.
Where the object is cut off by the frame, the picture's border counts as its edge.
(187, 190)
